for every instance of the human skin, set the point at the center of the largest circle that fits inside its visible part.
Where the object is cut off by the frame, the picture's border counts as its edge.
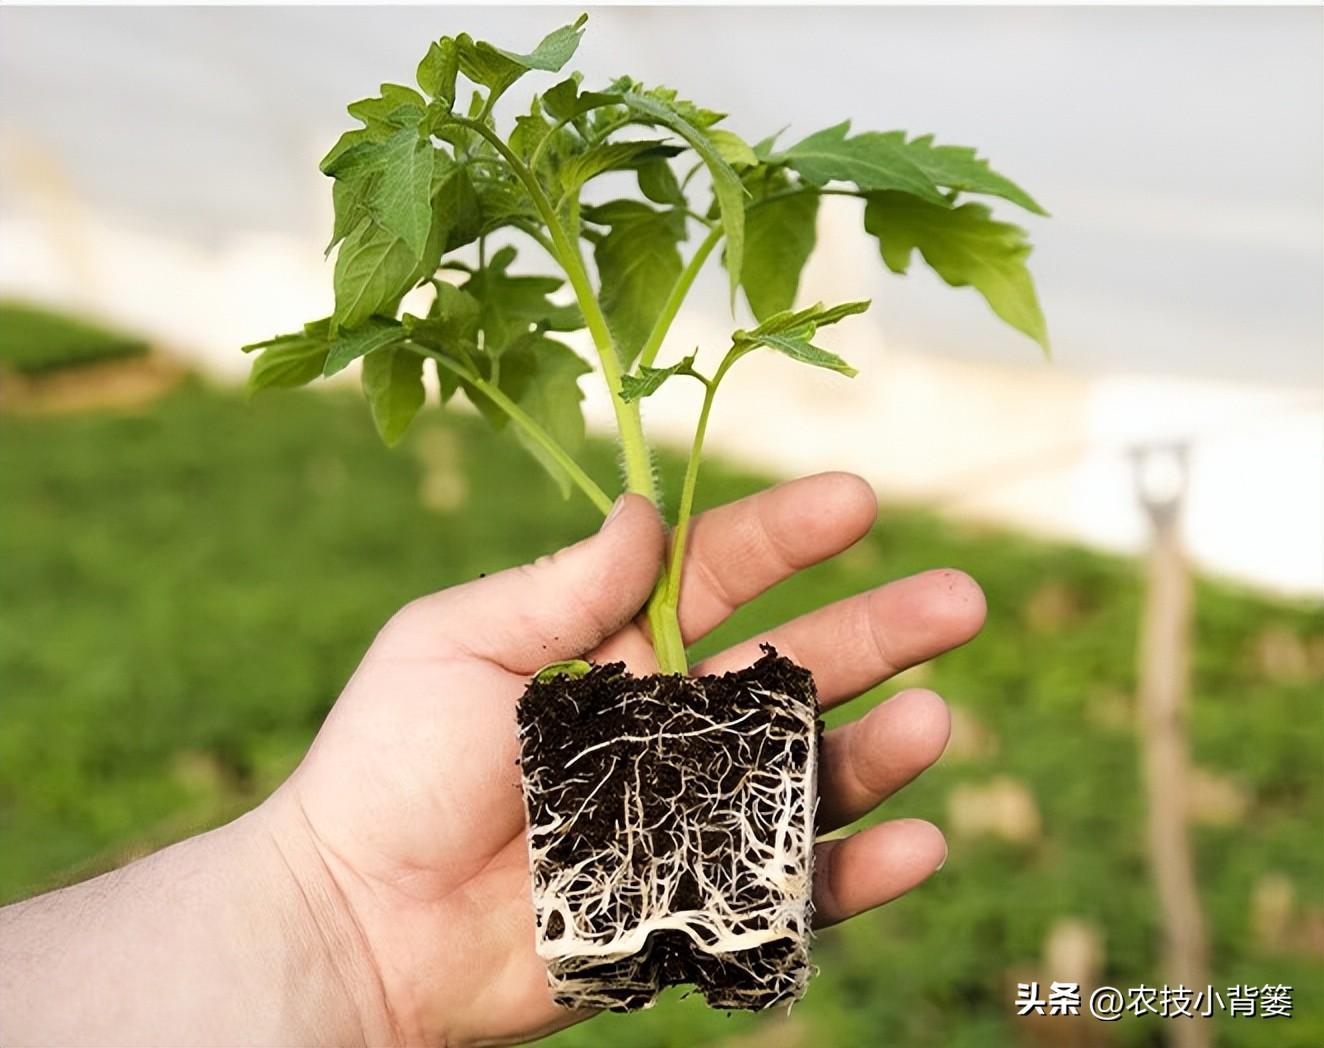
(381, 894)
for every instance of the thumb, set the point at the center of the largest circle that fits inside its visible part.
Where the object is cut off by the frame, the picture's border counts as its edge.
(562, 605)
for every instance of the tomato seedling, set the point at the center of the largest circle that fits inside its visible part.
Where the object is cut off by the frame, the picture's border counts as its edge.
(670, 818)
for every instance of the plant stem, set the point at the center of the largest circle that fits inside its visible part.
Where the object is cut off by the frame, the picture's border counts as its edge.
(665, 601)
(782, 194)
(638, 463)
(662, 619)
(528, 424)
(678, 292)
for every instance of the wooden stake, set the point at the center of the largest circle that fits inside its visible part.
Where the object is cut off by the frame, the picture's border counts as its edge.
(1164, 669)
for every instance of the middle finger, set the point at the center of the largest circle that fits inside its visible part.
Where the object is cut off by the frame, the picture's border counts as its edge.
(853, 644)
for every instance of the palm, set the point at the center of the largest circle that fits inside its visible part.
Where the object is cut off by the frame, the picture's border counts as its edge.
(412, 791)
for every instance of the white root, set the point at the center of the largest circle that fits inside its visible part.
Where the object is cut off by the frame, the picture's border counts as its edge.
(724, 868)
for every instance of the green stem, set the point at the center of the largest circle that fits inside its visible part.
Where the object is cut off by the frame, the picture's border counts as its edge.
(663, 623)
(528, 424)
(638, 463)
(677, 296)
(665, 601)
(782, 194)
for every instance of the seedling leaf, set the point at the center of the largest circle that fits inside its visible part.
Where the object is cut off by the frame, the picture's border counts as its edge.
(638, 261)
(662, 108)
(965, 247)
(542, 376)
(511, 306)
(376, 333)
(397, 106)
(611, 156)
(374, 268)
(555, 49)
(437, 71)
(649, 380)
(779, 237)
(572, 668)
(393, 385)
(805, 352)
(565, 101)
(960, 168)
(658, 182)
(790, 331)
(286, 362)
(872, 161)
(732, 148)
(497, 70)
(803, 321)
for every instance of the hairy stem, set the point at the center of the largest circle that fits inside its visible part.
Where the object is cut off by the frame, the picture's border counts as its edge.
(528, 424)
(663, 623)
(665, 601)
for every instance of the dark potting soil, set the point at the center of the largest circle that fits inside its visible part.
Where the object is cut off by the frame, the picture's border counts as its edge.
(676, 812)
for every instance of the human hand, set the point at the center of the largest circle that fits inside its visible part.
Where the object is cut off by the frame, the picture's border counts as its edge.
(404, 825)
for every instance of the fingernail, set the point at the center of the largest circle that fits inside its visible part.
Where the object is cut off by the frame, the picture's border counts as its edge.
(616, 508)
(946, 851)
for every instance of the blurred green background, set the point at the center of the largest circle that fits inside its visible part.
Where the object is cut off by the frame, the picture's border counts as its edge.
(189, 578)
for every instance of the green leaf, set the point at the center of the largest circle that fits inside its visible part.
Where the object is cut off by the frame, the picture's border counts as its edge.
(802, 350)
(542, 376)
(638, 262)
(502, 203)
(803, 322)
(565, 101)
(382, 170)
(374, 268)
(649, 380)
(513, 306)
(732, 148)
(390, 181)
(669, 99)
(410, 190)
(872, 161)
(609, 156)
(452, 319)
(402, 197)
(344, 144)
(658, 182)
(286, 362)
(530, 131)
(779, 238)
(393, 386)
(958, 167)
(789, 332)
(372, 335)
(764, 147)
(497, 70)
(573, 669)
(349, 199)
(450, 328)
(555, 49)
(437, 71)
(487, 66)
(455, 200)
(397, 106)
(965, 247)
(662, 108)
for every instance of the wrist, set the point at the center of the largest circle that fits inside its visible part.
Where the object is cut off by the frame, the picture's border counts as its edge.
(334, 992)
(225, 937)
